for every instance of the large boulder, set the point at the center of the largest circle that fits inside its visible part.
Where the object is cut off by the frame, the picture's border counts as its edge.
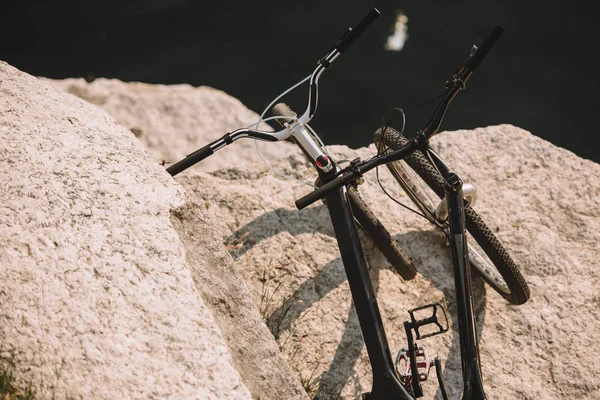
(542, 201)
(106, 292)
(174, 120)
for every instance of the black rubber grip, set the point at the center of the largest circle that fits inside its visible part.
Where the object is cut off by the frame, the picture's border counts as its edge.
(351, 35)
(324, 190)
(190, 160)
(485, 48)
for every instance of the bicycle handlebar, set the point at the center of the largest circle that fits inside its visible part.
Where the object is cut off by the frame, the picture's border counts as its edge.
(347, 39)
(351, 34)
(210, 148)
(190, 160)
(459, 80)
(455, 85)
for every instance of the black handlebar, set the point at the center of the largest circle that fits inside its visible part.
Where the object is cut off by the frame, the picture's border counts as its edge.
(487, 45)
(351, 34)
(190, 160)
(457, 84)
(355, 171)
(322, 191)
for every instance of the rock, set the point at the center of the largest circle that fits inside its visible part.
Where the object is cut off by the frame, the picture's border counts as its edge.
(173, 121)
(540, 200)
(101, 295)
(543, 203)
(255, 354)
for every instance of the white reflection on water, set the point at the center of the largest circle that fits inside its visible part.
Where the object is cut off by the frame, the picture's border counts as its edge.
(395, 42)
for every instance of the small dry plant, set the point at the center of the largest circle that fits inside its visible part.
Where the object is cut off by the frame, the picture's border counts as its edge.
(273, 312)
(8, 389)
(236, 243)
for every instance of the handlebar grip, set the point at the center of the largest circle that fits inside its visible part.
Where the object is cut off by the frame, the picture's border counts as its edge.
(351, 35)
(487, 45)
(325, 189)
(282, 110)
(190, 160)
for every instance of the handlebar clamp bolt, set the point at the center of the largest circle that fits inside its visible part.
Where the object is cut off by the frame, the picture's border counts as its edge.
(324, 163)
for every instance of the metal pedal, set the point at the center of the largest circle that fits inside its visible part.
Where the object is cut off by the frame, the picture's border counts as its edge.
(415, 324)
(413, 363)
(403, 365)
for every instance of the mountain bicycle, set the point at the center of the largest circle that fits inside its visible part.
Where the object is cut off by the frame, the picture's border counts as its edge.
(405, 383)
(339, 206)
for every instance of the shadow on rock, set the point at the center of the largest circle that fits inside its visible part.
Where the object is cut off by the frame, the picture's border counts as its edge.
(431, 257)
(269, 224)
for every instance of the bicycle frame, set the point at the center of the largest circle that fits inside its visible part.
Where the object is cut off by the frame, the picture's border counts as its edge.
(386, 385)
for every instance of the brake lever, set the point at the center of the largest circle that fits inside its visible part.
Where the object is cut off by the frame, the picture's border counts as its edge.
(466, 61)
(352, 166)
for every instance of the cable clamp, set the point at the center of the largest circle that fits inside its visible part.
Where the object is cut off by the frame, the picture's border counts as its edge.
(323, 61)
(456, 81)
(420, 140)
(293, 123)
(353, 167)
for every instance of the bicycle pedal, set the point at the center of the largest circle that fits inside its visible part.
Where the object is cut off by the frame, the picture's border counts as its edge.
(428, 321)
(403, 368)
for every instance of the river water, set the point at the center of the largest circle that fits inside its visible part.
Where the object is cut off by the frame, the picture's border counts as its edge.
(541, 76)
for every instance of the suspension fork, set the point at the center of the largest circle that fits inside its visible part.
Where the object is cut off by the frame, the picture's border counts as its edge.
(469, 348)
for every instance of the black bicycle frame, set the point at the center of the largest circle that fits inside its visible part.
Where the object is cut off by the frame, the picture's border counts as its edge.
(386, 385)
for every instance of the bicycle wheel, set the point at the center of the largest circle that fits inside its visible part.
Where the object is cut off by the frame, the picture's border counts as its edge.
(383, 240)
(486, 254)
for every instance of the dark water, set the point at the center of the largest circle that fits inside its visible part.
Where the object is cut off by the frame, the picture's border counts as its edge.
(542, 75)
